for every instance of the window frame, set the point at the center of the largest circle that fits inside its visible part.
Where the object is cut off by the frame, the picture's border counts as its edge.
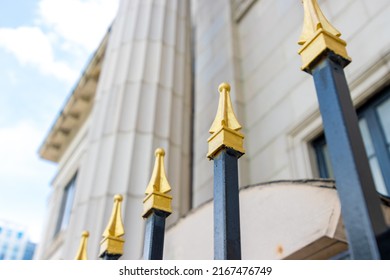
(317, 144)
(368, 111)
(68, 194)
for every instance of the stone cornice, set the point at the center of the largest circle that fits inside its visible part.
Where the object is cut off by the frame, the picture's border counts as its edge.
(75, 110)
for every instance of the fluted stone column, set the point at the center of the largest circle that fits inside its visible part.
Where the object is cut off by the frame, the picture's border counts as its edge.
(143, 101)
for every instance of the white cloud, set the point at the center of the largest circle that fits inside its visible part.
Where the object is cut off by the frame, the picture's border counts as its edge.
(81, 23)
(77, 26)
(18, 145)
(32, 47)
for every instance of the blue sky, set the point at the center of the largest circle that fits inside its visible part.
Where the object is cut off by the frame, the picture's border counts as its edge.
(44, 47)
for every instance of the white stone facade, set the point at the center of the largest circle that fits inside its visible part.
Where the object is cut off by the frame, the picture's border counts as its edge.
(162, 64)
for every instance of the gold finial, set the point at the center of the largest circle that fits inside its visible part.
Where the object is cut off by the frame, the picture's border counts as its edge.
(113, 241)
(318, 36)
(225, 130)
(314, 20)
(156, 192)
(225, 114)
(82, 252)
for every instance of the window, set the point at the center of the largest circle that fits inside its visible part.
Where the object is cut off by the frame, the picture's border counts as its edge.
(20, 235)
(374, 123)
(66, 206)
(322, 155)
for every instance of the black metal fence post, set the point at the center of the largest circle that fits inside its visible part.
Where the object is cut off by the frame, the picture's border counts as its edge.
(324, 56)
(225, 147)
(111, 246)
(82, 251)
(157, 207)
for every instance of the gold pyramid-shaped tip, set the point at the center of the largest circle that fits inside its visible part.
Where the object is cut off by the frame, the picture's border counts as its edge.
(225, 128)
(157, 191)
(158, 182)
(225, 115)
(314, 20)
(112, 242)
(82, 252)
(115, 226)
(318, 36)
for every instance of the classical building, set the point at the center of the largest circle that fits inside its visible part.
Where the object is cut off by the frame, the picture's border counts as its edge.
(153, 82)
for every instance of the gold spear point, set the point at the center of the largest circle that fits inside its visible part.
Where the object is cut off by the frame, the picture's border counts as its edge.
(318, 37)
(225, 129)
(82, 252)
(157, 191)
(113, 242)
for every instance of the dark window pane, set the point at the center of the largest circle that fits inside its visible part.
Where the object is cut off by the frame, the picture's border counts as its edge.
(374, 124)
(366, 138)
(66, 206)
(383, 111)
